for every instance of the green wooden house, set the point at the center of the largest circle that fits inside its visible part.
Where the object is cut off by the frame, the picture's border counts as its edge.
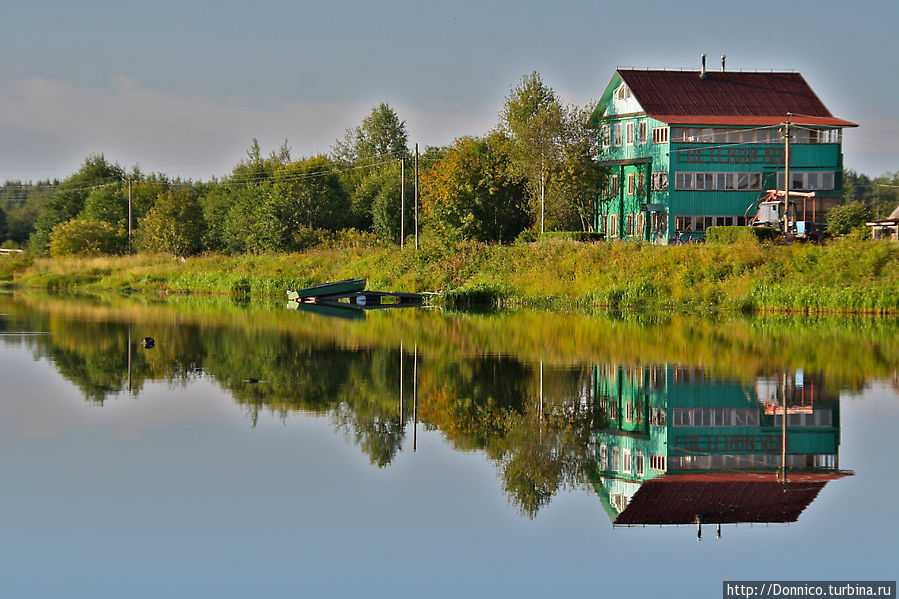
(687, 150)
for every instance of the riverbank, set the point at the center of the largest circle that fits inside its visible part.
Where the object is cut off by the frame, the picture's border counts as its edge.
(846, 276)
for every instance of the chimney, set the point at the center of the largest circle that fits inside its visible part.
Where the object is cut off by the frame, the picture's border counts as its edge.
(702, 73)
(723, 59)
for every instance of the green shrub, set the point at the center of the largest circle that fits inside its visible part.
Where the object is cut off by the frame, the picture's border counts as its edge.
(581, 236)
(479, 294)
(85, 237)
(527, 236)
(735, 234)
(843, 219)
(10, 264)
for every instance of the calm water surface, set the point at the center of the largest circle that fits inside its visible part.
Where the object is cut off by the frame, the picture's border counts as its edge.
(253, 451)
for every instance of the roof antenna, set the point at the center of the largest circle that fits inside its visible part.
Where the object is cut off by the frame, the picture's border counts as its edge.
(702, 73)
(723, 59)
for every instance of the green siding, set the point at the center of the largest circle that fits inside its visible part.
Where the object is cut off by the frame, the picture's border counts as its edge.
(672, 158)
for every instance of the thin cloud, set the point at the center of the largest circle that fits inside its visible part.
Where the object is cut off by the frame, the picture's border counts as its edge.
(53, 125)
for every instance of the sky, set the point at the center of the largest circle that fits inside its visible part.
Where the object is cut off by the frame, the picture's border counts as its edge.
(183, 87)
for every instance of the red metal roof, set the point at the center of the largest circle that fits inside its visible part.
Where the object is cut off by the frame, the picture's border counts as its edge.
(725, 499)
(728, 98)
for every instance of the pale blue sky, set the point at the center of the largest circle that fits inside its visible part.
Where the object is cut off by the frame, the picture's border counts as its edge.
(182, 87)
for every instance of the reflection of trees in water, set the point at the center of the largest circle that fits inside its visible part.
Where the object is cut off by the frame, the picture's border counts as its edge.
(487, 403)
(537, 428)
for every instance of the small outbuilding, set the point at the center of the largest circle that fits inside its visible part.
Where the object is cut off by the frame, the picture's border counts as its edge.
(887, 228)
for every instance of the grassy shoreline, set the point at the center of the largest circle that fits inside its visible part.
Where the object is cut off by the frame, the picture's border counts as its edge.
(846, 276)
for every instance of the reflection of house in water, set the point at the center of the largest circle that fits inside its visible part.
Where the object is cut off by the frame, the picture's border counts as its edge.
(683, 447)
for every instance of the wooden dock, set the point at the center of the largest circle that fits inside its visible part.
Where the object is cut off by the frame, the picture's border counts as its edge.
(366, 300)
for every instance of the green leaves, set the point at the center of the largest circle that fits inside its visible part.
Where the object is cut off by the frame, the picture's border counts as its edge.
(175, 225)
(86, 237)
(471, 194)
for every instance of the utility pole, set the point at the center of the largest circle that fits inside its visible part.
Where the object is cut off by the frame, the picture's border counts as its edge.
(416, 196)
(129, 215)
(787, 177)
(542, 193)
(402, 202)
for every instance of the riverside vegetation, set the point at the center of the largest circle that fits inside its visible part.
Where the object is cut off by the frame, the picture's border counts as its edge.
(276, 222)
(844, 276)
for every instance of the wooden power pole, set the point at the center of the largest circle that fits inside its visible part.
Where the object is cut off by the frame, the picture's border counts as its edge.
(416, 196)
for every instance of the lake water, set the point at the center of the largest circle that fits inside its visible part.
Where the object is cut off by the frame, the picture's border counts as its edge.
(252, 451)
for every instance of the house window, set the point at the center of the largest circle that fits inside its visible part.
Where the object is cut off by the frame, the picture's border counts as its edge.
(641, 183)
(603, 224)
(641, 132)
(659, 181)
(660, 135)
(638, 464)
(613, 185)
(657, 462)
(626, 461)
(721, 181)
(630, 184)
(623, 92)
(629, 134)
(605, 136)
(640, 225)
(614, 463)
(613, 232)
(603, 457)
(808, 180)
(629, 231)
(616, 134)
(628, 406)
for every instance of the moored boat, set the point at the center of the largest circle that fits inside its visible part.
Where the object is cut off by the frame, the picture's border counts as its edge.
(328, 289)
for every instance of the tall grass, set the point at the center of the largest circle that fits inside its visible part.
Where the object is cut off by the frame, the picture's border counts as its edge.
(846, 276)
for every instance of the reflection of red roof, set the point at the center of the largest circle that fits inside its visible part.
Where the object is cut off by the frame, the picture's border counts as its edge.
(724, 498)
(728, 98)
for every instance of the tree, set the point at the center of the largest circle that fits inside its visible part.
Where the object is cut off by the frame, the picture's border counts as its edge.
(69, 197)
(304, 194)
(3, 229)
(381, 135)
(377, 200)
(86, 237)
(533, 118)
(472, 194)
(844, 219)
(174, 225)
(107, 204)
(576, 178)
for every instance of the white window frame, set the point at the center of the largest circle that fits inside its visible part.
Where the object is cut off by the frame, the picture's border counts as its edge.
(825, 178)
(660, 135)
(639, 464)
(641, 131)
(629, 133)
(605, 136)
(626, 461)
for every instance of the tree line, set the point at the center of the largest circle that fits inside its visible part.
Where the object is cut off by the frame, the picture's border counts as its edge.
(535, 169)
